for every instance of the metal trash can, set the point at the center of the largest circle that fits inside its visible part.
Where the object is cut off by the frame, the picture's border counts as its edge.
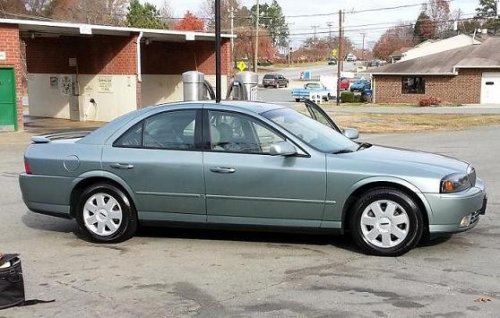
(246, 84)
(367, 95)
(194, 86)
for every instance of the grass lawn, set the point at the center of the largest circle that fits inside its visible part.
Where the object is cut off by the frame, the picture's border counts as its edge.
(388, 123)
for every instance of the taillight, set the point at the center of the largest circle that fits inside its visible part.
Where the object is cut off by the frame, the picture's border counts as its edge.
(27, 166)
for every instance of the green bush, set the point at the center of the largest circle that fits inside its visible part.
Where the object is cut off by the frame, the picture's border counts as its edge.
(347, 97)
(358, 98)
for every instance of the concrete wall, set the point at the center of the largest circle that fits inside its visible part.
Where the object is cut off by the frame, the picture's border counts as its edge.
(465, 88)
(10, 44)
(50, 96)
(157, 89)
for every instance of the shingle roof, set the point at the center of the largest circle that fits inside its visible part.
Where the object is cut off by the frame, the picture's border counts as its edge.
(485, 55)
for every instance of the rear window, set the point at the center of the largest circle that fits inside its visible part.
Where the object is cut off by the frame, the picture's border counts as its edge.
(269, 76)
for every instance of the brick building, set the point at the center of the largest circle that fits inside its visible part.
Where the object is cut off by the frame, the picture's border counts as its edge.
(94, 72)
(467, 75)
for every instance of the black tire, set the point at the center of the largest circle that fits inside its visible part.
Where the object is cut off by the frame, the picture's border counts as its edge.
(297, 100)
(128, 224)
(413, 227)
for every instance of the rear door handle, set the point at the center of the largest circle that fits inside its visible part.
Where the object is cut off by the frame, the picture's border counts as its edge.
(223, 170)
(121, 166)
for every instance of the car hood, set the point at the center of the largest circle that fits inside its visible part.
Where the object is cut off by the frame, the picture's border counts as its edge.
(410, 160)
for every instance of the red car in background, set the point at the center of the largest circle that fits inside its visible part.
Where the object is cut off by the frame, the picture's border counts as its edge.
(344, 84)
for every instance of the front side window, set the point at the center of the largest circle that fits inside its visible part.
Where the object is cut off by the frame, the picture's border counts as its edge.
(413, 85)
(169, 130)
(231, 132)
(311, 132)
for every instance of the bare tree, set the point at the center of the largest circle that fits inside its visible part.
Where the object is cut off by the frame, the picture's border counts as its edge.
(109, 12)
(207, 10)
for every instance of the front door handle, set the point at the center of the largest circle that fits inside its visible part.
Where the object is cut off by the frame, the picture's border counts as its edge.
(121, 166)
(223, 170)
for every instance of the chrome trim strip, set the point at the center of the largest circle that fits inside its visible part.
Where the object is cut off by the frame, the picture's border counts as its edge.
(227, 197)
(169, 194)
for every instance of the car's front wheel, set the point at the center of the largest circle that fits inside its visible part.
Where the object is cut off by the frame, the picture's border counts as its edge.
(386, 222)
(105, 215)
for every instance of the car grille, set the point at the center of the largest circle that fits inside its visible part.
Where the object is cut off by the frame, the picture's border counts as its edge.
(474, 217)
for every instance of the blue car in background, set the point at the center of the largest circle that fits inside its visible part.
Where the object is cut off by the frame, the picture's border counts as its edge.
(361, 85)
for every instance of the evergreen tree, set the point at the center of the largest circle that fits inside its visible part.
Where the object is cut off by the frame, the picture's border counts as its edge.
(272, 19)
(144, 16)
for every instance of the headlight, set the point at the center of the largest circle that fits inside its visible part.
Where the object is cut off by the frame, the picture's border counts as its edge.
(455, 183)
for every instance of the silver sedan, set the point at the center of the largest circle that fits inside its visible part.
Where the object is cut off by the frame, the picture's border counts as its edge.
(243, 164)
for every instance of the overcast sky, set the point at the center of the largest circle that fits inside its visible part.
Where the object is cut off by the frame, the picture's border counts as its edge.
(355, 23)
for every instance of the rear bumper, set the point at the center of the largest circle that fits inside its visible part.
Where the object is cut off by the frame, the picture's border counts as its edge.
(449, 210)
(46, 194)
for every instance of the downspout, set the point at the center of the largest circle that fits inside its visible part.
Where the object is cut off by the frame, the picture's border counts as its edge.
(138, 56)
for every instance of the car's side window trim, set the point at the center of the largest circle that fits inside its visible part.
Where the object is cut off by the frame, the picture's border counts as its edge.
(206, 134)
(197, 135)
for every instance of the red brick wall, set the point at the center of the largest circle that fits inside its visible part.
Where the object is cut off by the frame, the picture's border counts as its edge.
(465, 88)
(98, 54)
(11, 45)
(177, 58)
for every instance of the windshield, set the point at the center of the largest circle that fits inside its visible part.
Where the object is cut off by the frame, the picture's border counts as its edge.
(313, 85)
(311, 132)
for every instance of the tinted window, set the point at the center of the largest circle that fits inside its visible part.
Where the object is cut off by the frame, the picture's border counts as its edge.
(132, 138)
(269, 76)
(238, 133)
(170, 130)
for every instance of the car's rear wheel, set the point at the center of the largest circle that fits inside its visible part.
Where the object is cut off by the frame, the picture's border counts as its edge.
(297, 100)
(105, 214)
(386, 222)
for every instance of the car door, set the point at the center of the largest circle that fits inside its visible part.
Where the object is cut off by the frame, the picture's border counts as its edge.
(318, 114)
(247, 185)
(160, 160)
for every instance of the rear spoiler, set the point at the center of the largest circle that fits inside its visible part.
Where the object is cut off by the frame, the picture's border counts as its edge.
(57, 136)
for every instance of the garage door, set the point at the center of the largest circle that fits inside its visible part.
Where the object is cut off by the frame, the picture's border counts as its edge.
(490, 88)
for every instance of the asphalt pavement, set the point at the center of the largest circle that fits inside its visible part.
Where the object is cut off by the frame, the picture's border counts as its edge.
(165, 272)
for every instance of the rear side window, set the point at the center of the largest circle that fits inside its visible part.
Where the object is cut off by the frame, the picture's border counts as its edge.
(170, 130)
(132, 138)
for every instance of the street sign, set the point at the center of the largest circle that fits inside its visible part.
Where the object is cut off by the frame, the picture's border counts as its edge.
(241, 66)
(334, 52)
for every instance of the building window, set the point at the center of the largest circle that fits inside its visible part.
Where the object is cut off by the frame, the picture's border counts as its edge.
(413, 85)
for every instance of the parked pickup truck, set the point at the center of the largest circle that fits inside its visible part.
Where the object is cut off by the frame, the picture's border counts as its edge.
(311, 88)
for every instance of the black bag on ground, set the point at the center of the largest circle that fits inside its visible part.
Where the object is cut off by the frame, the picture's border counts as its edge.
(12, 283)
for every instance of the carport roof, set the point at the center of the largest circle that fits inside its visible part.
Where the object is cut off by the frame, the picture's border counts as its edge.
(50, 28)
(485, 55)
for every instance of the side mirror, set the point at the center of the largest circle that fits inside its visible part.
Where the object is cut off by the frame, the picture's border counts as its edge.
(282, 148)
(351, 133)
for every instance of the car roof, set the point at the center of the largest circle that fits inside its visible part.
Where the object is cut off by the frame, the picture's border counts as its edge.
(252, 106)
(101, 134)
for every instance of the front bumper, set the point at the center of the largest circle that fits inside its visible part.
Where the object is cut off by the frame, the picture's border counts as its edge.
(448, 210)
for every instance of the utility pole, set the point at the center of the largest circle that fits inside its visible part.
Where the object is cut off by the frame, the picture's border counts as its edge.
(256, 49)
(315, 28)
(217, 53)
(363, 47)
(340, 58)
(231, 15)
